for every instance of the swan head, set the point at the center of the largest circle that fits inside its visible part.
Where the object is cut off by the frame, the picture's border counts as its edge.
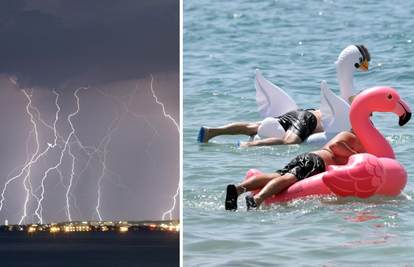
(382, 99)
(354, 57)
(351, 58)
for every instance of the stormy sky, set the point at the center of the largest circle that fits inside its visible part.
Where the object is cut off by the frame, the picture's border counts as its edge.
(84, 133)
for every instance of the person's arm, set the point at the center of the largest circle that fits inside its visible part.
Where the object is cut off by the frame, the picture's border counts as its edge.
(265, 142)
(341, 148)
(291, 138)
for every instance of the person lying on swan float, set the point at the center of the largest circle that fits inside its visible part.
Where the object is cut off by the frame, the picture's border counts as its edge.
(341, 167)
(285, 124)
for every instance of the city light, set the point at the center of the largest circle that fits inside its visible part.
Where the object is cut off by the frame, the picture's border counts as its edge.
(54, 229)
(95, 226)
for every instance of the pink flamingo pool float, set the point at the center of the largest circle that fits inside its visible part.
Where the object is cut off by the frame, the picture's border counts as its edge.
(375, 172)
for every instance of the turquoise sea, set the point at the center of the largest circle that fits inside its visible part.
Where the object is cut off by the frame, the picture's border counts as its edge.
(295, 44)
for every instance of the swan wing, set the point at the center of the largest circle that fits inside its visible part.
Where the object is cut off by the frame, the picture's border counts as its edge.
(272, 100)
(334, 111)
(361, 177)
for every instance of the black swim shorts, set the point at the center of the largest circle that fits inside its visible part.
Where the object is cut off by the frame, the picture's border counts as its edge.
(304, 166)
(299, 121)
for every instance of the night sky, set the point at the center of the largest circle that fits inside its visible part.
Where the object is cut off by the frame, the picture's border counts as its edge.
(115, 156)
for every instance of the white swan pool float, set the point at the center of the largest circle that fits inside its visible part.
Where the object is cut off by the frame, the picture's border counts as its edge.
(273, 101)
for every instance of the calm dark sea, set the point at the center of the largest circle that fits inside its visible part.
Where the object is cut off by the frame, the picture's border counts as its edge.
(135, 248)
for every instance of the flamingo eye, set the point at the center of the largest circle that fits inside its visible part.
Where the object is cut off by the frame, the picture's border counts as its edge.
(389, 96)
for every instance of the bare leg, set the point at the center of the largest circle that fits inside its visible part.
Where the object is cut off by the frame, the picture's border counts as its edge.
(231, 129)
(256, 182)
(290, 138)
(274, 187)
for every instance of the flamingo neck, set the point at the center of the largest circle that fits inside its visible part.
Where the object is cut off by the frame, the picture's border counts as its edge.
(345, 80)
(370, 138)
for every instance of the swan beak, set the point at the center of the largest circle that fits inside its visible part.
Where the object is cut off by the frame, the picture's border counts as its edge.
(406, 113)
(364, 65)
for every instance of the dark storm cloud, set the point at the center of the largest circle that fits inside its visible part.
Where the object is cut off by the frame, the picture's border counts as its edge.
(50, 43)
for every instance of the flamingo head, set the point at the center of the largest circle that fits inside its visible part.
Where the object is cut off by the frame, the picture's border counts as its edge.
(382, 99)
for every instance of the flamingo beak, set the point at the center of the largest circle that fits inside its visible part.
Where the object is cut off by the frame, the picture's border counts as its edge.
(405, 112)
(364, 65)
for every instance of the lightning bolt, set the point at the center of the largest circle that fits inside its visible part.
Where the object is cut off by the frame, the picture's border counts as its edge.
(30, 160)
(178, 128)
(69, 151)
(163, 108)
(72, 152)
(127, 109)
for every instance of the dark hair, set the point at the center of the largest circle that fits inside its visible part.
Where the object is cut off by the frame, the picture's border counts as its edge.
(364, 51)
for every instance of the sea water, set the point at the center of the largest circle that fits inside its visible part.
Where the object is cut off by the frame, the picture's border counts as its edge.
(295, 44)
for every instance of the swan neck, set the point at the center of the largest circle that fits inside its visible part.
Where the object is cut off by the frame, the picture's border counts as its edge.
(345, 80)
